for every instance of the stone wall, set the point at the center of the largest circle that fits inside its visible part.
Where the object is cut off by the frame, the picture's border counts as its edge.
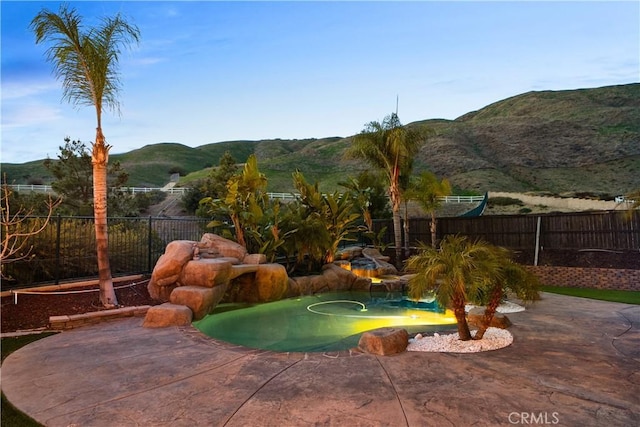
(579, 277)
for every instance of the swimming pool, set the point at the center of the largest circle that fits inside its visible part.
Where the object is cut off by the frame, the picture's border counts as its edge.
(322, 322)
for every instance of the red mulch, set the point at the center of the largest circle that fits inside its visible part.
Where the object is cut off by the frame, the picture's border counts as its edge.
(33, 311)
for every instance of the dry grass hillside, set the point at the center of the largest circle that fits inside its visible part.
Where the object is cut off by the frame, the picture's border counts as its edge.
(565, 141)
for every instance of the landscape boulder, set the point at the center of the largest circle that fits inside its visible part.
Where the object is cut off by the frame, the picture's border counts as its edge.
(259, 283)
(169, 266)
(224, 247)
(475, 315)
(381, 261)
(348, 253)
(167, 314)
(384, 341)
(206, 272)
(200, 300)
(271, 281)
(255, 259)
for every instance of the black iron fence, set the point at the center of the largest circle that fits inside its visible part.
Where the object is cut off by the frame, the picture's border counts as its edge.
(65, 250)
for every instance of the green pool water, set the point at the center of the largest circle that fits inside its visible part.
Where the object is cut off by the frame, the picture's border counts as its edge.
(322, 322)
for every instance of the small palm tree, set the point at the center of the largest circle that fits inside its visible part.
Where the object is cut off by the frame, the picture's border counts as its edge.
(86, 62)
(508, 276)
(456, 273)
(427, 191)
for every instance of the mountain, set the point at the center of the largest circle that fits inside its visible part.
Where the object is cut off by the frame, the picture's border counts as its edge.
(572, 141)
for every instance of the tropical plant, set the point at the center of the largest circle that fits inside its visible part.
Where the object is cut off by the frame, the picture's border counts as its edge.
(244, 201)
(268, 233)
(457, 273)
(389, 147)
(87, 64)
(370, 200)
(329, 218)
(427, 191)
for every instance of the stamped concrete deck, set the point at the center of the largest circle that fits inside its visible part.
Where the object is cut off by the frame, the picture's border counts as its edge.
(573, 362)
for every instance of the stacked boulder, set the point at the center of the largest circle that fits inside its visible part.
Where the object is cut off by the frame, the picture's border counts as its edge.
(196, 275)
(191, 278)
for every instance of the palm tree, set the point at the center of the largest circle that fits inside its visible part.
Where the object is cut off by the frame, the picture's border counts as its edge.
(390, 147)
(508, 276)
(86, 62)
(456, 273)
(427, 191)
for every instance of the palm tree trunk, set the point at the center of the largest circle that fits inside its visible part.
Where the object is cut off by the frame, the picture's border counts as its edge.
(100, 158)
(461, 319)
(433, 229)
(394, 195)
(490, 311)
(405, 227)
(397, 235)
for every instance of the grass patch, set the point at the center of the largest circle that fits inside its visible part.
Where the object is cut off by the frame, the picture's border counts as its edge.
(11, 416)
(628, 297)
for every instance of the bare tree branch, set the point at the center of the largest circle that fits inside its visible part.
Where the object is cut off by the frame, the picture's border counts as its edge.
(16, 228)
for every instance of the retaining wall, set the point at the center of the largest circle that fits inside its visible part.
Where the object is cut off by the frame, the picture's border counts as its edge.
(580, 277)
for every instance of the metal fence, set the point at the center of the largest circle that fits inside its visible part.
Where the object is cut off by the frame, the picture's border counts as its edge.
(65, 250)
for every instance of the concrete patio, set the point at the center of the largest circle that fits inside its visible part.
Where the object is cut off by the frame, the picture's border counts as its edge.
(573, 362)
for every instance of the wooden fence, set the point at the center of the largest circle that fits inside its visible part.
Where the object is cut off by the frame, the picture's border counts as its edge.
(611, 230)
(65, 250)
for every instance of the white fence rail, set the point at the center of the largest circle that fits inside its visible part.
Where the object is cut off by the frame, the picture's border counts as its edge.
(28, 187)
(462, 199)
(132, 190)
(182, 190)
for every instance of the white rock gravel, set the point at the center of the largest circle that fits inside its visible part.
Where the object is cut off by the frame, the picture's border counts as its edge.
(505, 307)
(493, 339)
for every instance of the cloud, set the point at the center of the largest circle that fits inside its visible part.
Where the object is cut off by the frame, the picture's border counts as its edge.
(149, 60)
(18, 90)
(29, 115)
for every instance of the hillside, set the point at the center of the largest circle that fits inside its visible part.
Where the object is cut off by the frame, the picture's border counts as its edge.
(580, 140)
(572, 141)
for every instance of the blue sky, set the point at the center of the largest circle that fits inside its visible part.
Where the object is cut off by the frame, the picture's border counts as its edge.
(209, 71)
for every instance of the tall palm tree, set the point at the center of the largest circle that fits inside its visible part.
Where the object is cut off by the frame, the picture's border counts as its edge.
(87, 62)
(390, 147)
(458, 272)
(427, 191)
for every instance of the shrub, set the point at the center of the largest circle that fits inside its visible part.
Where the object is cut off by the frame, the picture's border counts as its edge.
(505, 201)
